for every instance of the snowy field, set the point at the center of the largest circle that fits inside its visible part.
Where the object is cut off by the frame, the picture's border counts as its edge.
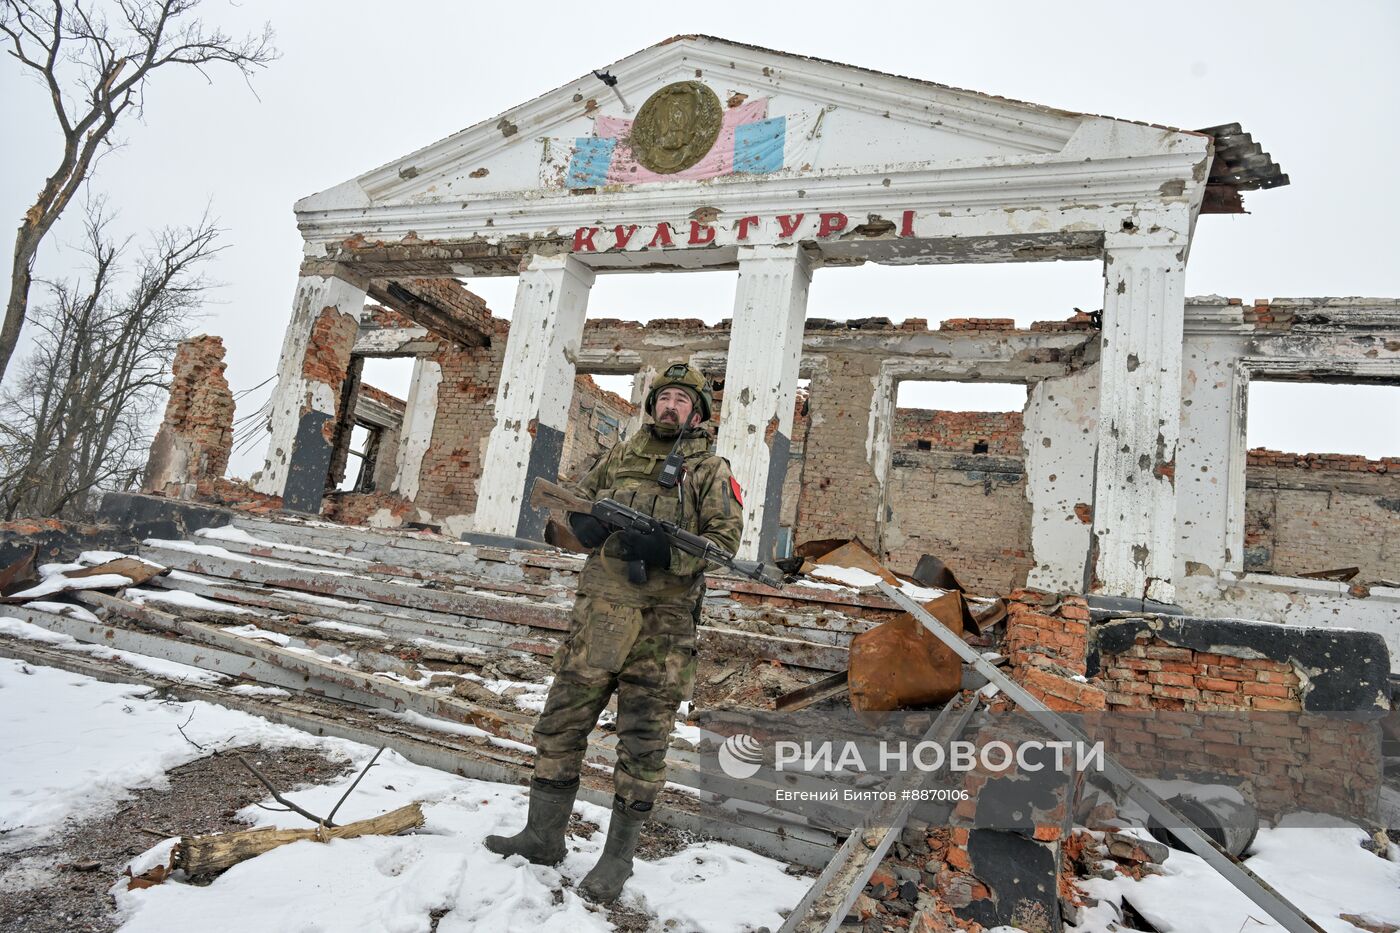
(77, 746)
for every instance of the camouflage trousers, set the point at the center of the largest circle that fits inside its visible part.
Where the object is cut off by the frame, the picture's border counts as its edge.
(648, 657)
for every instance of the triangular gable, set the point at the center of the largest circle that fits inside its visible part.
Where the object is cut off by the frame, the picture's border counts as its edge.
(783, 116)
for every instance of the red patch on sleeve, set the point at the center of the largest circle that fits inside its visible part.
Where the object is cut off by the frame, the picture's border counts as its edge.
(734, 488)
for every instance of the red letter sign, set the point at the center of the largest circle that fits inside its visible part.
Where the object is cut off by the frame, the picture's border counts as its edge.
(583, 240)
(833, 222)
(624, 238)
(788, 224)
(662, 237)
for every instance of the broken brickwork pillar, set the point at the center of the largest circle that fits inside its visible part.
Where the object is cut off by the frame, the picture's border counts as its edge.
(196, 437)
(532, 399)
(760, 384)
(847, 451)
(310, 377)
(1134, 511)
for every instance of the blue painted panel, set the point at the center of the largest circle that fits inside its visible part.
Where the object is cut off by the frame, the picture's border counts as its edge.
(588, 166)
(758, 146)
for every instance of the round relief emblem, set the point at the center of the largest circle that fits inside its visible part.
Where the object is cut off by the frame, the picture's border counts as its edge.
(676, 127)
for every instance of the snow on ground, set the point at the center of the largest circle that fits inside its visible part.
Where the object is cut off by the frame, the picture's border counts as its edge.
(171, 669)
(76, 744)
(1316, 862)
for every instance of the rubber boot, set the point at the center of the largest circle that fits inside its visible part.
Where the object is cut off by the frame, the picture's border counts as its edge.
(542, 839)
(604, 883)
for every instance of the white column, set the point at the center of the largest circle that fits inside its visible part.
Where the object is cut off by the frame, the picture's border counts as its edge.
(1134, 511)
(315, 354)
(416, 434)
(532, 399)
(760, 383)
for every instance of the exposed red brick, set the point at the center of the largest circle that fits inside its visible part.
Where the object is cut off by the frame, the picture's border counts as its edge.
(196, 436)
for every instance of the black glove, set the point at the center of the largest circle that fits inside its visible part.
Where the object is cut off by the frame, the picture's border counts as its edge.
(652, 548)
(590, 532)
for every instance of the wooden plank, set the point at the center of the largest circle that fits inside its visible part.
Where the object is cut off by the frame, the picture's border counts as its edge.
(825, 905)
(368, 562)
(437, 627)
(716, 640)
(374, 690)
(474, 605)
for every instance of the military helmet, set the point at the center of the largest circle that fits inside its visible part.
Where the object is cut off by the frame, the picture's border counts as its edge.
(687, 377)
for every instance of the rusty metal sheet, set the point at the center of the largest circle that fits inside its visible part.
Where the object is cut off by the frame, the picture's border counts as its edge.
(19, 575)
(900, 664)
(856, 556)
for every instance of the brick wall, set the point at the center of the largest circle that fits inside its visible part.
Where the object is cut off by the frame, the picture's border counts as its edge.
(969, 509)
(598, 420)
(1310, 512)
(997, 433)
(451, 467)
(196, 435)
(1243, 709)
(1047, 642)
(841, 495)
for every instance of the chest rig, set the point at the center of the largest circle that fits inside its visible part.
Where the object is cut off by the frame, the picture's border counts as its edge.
(634, 481)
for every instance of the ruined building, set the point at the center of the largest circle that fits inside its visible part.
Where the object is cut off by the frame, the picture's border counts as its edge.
(1143, 556)
(1109, 483)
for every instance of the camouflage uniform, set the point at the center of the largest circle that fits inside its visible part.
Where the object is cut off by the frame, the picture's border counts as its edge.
(636, 639)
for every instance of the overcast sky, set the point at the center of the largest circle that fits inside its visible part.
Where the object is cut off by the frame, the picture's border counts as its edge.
(360, 84)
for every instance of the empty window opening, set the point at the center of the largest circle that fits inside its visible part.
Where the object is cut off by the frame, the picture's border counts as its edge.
(1322, 481)
(956, 485)
(360, 438)
(377, 424)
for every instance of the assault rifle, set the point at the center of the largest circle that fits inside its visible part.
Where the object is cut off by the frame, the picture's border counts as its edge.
(618, 517)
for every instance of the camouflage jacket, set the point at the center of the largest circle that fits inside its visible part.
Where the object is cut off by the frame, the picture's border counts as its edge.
(703, 503)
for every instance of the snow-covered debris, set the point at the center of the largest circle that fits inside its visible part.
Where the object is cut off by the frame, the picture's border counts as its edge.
(213, 550)
(1316, 862)
(58, 583)
(181, 598)
(158, 666)
(239, 536)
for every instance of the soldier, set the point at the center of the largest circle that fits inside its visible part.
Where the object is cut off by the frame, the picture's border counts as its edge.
(635, 638)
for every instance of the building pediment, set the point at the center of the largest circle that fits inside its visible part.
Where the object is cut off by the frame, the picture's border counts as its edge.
(720, 128)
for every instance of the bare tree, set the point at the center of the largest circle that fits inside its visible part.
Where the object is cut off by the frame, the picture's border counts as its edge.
(76, 420)
(94, 73)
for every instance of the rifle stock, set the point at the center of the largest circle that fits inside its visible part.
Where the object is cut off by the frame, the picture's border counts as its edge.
(547, 495)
